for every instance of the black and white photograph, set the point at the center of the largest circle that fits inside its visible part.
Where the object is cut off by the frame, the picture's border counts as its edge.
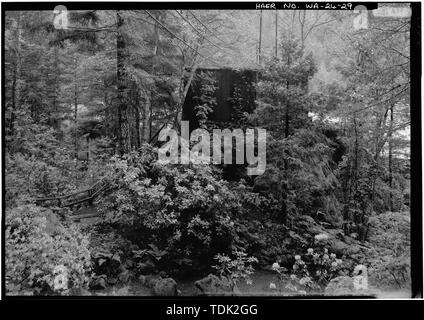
(187, 149)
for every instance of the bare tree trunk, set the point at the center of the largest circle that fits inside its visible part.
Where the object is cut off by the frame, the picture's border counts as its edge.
(276, 33)
(120, 69)
(75, 109)
(356, 155)
(391, 158)
(379, 144)
(137, 123)
(56, 88)
(13, 107)
(183, 93)
(302, 29)
(260, 38)
(146, 118)
(16, 85)
(376, 157)
(157, 49)
(285, 188)
(287, 114)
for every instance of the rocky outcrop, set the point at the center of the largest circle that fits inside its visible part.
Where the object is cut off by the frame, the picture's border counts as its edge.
(160, 286)
(165, 287)
(212, 284)
(150, 280)
(98, 283)
(124, 276)
(340, 286)
(345, 286)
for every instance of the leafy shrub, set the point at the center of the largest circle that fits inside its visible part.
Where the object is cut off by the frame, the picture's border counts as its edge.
(187, 211)
(236, 269)
(46, 173)
(37, 163)
(184, 210)
(28, 176)
(390, 257)
(31, 138)
(146, 259)
(42, 261)
(206, 100)
(299, 173)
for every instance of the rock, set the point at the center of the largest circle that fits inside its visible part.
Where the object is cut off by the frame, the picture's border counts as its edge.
(213, 285)
(353, 249)
(79, 292)
(121, 292)
(112, 280)
(98, 283)
(236, 290)
(165, 287)
(133, 247)
(124, 276)
(340, 286)
(307, 224)
(338, 247)
(53, 223)
(129, 264)
(162, 274)
(337, 234)
(149, 281)
(344, 286)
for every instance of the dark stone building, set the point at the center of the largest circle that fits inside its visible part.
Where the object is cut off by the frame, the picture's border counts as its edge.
(234, 94)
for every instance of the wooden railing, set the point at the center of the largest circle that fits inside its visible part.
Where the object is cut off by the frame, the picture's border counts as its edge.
(72, 199)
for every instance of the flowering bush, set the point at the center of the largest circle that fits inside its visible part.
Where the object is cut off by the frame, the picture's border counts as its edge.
(237, 269)
(310, 272)
(281, 274)
(316, 267)
(40, 261)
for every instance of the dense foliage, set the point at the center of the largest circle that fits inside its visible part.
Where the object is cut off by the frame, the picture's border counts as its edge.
(40, 251)
(86, 104)
(187, 211)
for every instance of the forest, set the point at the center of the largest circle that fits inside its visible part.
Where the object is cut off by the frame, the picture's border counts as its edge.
(89, 210)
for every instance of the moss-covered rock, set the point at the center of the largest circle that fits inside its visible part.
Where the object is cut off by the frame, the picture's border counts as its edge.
(165, 287)
(213, 285)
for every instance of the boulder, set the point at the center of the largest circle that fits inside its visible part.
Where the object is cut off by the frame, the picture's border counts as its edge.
(338, 247)
(112, 280)
(79, 292)
(344, 286)
(150, 280)
(53, 223)
(340, 286)
(124, 276)
(213, 285)
(98, 283)
(165, 287)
